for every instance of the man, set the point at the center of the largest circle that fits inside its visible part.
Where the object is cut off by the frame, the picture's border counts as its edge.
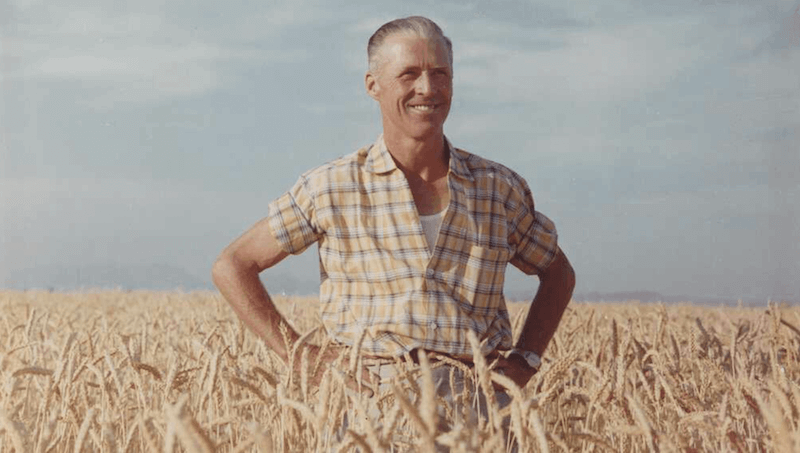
(414, 235)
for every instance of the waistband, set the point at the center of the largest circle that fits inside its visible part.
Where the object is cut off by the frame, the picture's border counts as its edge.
(433, 356)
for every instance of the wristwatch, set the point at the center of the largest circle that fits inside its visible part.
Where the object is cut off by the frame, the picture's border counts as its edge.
(532, 358)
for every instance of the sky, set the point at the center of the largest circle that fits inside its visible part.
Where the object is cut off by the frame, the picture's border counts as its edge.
(663, 138)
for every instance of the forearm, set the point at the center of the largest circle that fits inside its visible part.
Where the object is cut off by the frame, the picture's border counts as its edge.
(544, 315)
(248, 297)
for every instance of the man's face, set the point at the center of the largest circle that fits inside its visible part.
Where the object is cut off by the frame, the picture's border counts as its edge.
(413, 84)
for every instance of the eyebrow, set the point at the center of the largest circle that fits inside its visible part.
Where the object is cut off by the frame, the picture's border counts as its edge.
(419, 68)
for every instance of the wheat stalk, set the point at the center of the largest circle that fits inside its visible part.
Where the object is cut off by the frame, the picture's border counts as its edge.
(16, 430)
(83, 430)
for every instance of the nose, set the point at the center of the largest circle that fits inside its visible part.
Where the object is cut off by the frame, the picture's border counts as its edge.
(424, 83)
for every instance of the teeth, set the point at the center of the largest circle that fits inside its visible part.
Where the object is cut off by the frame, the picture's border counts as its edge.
(422, 107)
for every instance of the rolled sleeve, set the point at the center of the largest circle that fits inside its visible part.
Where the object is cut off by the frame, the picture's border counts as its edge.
(291, 218)
(534, 238)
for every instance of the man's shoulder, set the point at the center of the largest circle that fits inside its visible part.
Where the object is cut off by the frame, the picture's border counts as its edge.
(480, 167)
(341, 167)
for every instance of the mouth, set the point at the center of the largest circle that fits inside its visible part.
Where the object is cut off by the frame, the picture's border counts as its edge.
(422, 108)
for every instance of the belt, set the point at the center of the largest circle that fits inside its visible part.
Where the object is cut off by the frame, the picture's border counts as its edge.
(434, 356)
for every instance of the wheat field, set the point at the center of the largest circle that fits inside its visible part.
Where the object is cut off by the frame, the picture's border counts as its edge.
(121, 371)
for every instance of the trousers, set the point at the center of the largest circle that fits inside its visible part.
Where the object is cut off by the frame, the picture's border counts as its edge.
(460, 404)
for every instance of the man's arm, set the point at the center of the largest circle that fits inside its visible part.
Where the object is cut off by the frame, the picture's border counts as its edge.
(235, 273)
(555, 291)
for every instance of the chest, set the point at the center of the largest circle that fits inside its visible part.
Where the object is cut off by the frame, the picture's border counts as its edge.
(382, 215)
(429, 197)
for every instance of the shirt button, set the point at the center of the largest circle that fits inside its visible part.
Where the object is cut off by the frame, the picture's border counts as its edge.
(429, 273)
(433, 326)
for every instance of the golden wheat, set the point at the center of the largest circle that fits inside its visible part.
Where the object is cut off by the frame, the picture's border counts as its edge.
(148, 371)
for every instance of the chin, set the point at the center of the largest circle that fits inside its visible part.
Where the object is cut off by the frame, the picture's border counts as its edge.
(426, 130)
(422, 135)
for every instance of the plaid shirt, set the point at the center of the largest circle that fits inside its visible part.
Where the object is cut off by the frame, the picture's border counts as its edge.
(376, 271)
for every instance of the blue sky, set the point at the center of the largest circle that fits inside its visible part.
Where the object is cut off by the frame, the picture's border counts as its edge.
(661, 137)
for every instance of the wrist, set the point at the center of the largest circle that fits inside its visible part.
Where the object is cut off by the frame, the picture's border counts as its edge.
(530, 358)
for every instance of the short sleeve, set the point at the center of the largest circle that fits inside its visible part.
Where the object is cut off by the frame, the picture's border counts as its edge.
(291, 218)
(532, 235)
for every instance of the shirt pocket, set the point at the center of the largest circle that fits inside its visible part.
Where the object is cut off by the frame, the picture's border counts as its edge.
(482, 278)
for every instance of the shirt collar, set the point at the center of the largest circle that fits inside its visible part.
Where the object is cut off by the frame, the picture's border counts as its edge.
(379, 160)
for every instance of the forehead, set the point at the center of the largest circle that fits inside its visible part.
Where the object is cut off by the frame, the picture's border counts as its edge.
(410, 49)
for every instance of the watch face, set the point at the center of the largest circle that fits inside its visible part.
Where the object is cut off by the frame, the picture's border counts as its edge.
(531, 358)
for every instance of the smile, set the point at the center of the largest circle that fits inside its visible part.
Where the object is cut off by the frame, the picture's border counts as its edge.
(423, 107)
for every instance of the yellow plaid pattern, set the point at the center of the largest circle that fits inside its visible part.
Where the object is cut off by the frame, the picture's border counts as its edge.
(376, 271)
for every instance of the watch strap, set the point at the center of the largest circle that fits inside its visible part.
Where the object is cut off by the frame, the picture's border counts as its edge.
(532, 358)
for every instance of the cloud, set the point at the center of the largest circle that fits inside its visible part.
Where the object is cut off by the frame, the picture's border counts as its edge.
(594, 65)
(595, 61)
(138, 56)
(764, 112)
(368, 25)
(139, 74)
(681, 90)
(527, 14)
(22, 5)
(774, 72)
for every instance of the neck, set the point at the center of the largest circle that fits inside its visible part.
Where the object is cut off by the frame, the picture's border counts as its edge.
(426, 158)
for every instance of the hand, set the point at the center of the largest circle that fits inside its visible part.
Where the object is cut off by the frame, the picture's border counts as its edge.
(515, 368)
(336, 359)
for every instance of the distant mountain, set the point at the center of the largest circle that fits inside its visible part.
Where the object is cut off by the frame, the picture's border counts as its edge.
(652, 296)
(621, 296)
(104, 276)
(148, 277)
(278, 281)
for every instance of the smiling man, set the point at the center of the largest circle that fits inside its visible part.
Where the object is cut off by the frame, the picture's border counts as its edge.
(414, 234)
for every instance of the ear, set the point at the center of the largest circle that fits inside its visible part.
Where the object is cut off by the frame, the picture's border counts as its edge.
(371, 84)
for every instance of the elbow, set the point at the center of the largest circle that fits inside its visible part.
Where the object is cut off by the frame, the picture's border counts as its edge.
(231, 269)
(567, 276)
(223, 269)
(560, 274)
(218, 270)
(570, 279)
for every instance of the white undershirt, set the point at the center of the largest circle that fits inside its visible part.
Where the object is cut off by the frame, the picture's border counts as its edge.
(430, 226)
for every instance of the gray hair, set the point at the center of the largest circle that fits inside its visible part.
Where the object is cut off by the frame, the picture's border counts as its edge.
(418, 25)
